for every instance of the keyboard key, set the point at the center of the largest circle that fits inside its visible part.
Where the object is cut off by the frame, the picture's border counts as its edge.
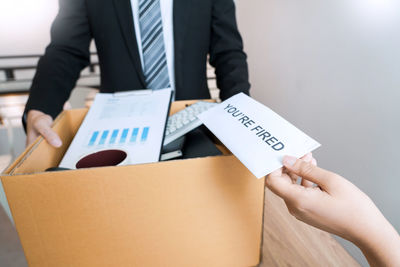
(185, 120)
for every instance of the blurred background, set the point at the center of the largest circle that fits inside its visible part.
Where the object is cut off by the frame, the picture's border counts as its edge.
(331, 68)
(25, 32)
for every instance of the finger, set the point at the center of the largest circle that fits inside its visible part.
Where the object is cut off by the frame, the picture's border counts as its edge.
(314, 162)
(67, 106)
(307, 158)
(306, 183)
(308, 171)
(43, 126)
(31, 134)
(292, 176)
(31, 137)
(281, 184)
(277, 172)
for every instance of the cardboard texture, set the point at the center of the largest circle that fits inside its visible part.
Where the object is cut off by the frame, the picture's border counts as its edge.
(196, 212)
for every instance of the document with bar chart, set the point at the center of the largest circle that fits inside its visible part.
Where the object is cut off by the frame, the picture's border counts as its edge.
(133, 122)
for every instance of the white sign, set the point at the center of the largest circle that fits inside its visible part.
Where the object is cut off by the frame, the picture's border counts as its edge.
(255, 134)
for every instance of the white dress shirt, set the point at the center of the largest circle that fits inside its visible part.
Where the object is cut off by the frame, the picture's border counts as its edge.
(167, 16)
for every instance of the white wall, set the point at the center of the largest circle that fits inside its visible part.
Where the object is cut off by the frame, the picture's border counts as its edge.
(333, 69)
(25, 25)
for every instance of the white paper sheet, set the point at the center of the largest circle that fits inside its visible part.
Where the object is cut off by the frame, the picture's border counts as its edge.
(255, 134)
(131, 121)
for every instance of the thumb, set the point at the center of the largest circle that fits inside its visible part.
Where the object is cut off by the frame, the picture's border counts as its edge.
(310, 172)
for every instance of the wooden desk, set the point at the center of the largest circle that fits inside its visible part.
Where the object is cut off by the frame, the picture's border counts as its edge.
(287, 241)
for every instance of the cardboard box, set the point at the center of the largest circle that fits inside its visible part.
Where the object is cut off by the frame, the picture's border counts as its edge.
(195, 212)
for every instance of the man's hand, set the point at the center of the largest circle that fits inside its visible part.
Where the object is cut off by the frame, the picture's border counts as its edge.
(337, 206)
(39, 123)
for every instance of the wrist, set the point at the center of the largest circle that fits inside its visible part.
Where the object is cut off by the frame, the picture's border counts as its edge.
(380, 245)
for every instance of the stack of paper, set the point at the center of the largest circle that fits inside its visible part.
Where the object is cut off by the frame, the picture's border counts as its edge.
(132, 122)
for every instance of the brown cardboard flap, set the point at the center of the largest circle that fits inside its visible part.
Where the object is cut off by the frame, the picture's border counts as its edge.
(41, 155)
(199, 212)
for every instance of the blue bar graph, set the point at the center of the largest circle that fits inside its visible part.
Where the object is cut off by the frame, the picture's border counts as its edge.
(134, 135)
(103, 137)
(145, 133)
(94, 138)
(114, 136)
(123, 136)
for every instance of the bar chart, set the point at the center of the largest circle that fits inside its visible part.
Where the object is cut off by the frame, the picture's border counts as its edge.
(119, 136)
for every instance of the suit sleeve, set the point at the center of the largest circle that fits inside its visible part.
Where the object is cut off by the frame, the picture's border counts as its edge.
(226, 51)
(65, 57)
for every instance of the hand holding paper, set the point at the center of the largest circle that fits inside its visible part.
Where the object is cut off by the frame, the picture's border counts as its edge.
(255, 134)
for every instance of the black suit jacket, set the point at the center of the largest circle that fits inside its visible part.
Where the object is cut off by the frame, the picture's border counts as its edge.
(201, 28)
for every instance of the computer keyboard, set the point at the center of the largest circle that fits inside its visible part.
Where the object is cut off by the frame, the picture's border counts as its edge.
(185, 120)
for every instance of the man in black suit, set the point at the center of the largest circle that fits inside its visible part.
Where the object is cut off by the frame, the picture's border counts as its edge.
(140, 44)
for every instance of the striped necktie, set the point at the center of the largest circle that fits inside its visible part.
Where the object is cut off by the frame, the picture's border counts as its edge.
(154, 58)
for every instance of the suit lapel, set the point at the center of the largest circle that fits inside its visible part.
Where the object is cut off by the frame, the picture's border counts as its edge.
(124, 13)
(181, 17)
